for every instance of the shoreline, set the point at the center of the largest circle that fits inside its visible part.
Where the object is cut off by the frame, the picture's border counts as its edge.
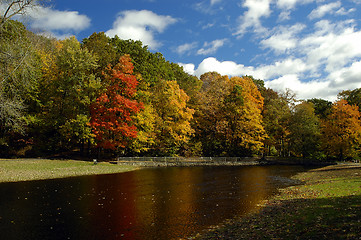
(327, 205)
(28, 169)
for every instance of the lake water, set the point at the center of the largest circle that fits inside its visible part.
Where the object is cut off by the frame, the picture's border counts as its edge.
(154, 203)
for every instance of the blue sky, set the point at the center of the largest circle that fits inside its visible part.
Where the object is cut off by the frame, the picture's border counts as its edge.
(312, 47)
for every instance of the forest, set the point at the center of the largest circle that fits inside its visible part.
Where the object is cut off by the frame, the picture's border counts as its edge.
(113, 97)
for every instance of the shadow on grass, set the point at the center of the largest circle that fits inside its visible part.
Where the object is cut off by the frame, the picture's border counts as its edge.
(337, 169)
(326, 218)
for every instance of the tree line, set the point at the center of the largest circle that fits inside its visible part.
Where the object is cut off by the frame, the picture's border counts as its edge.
(111, 96)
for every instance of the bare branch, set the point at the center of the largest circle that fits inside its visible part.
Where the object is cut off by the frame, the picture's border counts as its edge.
(15, 7)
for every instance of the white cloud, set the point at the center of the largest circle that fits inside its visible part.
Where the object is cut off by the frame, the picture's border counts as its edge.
(332, 45)
(186, 48)
(324, 9)
(251, 19)
(215, 1)
(55, 20)
(344, 79)
(287, 6)
(188, 68)
(209, 25)
(279, 76)
(140, 25)
(211, 64)
(303, 90)
(280, 68)
(284, 39)
(212, 47)
(347, 78)
(288, 66)
(52, 22)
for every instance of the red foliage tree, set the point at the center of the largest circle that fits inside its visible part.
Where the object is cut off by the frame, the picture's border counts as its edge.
(111, 113)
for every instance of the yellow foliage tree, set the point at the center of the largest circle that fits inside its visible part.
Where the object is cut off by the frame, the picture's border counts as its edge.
(173, 127)
(243, 108)
(341, 132)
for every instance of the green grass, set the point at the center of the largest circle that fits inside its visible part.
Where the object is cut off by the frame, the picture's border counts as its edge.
(326, 206)
(36, 169)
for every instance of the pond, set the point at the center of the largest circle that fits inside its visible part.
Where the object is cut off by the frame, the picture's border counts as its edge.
(153, 203)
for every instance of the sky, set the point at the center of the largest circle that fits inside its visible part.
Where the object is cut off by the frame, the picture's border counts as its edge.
(312, 47)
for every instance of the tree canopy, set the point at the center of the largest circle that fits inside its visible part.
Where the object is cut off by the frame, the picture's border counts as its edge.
(114, 96)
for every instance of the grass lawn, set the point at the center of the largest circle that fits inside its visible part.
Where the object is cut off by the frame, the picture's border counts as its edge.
(326, 206)
(35, 169)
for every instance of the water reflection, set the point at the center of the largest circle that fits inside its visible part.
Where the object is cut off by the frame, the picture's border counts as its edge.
(161, 203)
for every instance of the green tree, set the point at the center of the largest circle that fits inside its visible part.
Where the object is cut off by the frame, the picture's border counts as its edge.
(19, 74)
(322, 107)
(100, 45)
(276, 115)
(69, 87)
(304, 131)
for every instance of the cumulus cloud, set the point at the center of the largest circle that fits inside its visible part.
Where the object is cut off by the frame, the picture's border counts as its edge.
(286, 74)
(347, 78)
(280, 68)
(332, 45)
(211, 64)
(303, 90)
(211, 47)
(55, 20)
(251, 19)
(140, 25)
(188, 68)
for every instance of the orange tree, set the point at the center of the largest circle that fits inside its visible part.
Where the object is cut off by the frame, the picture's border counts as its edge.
(112, 112)
(341, 132)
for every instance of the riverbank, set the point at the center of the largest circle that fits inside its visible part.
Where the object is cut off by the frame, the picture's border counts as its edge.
(37, 169)
(326, 206)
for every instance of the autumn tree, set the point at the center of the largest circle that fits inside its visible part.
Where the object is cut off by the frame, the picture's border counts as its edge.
(209, 122)
(228, 118)
(111, 114)
(173, 118)
(304, 130)
(276, 117)
(153, 67)
(353, 97)
(341, 132)
(243, 107)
